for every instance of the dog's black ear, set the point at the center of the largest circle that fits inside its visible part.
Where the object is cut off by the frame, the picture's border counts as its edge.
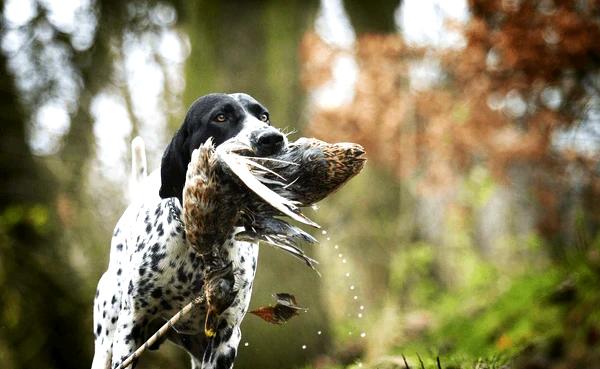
(174, 166)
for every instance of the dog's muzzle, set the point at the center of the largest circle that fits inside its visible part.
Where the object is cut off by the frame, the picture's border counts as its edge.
(267, 141)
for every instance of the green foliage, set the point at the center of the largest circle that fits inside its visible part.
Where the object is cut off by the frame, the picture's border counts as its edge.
(511, 320)
(547, 314)
(412, 275)
(479, 187)
(35, 216)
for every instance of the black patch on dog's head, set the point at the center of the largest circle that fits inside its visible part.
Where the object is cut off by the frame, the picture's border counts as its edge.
(219, 116)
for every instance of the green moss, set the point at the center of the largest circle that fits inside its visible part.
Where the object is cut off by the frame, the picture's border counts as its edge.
(513, 319)
(550, 313)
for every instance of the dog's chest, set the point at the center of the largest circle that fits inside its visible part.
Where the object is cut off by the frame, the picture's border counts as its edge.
(165, 273)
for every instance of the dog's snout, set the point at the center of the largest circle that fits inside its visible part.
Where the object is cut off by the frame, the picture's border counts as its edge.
(269, 142)
(270, 138)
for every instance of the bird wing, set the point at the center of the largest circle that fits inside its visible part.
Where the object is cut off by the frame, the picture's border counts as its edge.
(285, 206)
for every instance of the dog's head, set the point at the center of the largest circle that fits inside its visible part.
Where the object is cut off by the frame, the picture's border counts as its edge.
(222, 117)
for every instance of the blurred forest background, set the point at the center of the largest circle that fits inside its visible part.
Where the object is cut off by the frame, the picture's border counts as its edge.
(472, 235)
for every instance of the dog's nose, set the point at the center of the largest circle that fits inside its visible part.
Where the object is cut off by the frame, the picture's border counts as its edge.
(269, 142)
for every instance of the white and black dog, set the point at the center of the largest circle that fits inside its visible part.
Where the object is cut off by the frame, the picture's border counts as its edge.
(152, 271)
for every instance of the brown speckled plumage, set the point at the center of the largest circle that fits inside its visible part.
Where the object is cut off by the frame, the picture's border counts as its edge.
(312, 169)
(210, 202)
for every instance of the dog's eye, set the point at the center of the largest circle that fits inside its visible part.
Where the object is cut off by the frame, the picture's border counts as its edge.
(264, 117)
(220, 118)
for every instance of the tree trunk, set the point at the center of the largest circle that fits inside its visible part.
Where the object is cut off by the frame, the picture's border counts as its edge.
(43, 319)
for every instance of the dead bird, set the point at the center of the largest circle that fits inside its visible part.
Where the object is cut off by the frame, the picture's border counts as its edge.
(230, 187)
(210, 212)
(305, 172)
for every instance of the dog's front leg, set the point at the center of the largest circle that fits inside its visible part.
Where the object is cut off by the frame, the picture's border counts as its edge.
(106, 311)
(127, 337)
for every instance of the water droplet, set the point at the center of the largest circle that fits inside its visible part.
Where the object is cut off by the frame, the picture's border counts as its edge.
(328, 238)
(352, 287)
(347, 275)
(363, 334)
(336, 247)
(246, 344)
(323, 232)
(359, 315)
(344, 261)
(350, 333)
(362, 307)
(303, 347)
(315, 207)
(355, 297)
(319, 333)
(360, 365)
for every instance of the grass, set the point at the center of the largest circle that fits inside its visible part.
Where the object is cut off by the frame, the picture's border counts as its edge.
(549, 318)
